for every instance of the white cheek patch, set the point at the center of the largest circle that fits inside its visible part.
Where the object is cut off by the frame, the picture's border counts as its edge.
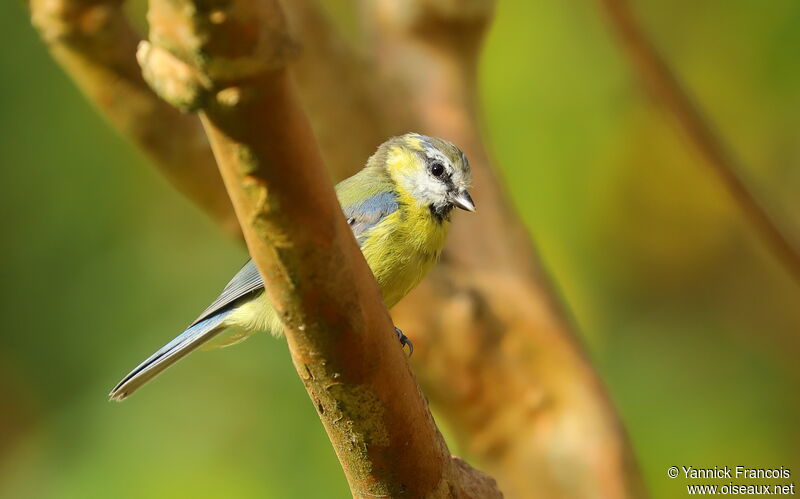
(425, 189)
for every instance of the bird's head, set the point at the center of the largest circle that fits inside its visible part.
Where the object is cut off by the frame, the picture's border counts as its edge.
(431, 171)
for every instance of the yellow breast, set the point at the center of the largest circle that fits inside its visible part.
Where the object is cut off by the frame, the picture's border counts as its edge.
(403, 247)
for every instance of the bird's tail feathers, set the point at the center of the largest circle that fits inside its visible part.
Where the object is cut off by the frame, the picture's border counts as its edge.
(167, 355)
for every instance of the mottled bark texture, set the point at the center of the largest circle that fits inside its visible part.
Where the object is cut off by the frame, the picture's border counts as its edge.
(495, 351)
(228, 59)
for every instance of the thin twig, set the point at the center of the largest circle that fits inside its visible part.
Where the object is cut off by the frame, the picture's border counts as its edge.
(667, 89)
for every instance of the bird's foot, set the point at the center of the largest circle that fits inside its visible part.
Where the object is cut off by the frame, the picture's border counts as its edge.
(404, 341)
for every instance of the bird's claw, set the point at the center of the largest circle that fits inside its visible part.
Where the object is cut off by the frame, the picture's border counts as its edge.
(404, 341)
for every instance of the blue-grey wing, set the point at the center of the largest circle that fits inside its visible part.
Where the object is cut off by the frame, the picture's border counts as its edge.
(365, 214)
(245, 282)
(361, 217)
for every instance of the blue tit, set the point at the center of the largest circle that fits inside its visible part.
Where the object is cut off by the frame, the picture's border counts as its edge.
(398, 207)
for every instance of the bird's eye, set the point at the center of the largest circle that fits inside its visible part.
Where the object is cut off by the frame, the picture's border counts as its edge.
(437, 169)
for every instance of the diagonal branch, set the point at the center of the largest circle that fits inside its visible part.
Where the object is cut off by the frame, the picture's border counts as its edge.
(495, 350)
(228, 60)
(95, 44)
(666, 88)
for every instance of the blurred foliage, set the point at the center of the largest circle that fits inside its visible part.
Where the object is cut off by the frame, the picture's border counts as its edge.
(692, 324)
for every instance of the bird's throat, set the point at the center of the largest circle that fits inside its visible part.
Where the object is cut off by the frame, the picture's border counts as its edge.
(441, 213)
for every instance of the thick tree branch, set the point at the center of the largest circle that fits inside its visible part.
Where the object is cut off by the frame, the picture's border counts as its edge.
(95, 44)
(228, 59)
(496, 352)
(663, 84)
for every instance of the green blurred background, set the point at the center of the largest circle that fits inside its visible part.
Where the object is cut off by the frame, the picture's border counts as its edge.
(693, 325)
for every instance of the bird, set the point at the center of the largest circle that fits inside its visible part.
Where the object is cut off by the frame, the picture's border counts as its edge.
(398, 207)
